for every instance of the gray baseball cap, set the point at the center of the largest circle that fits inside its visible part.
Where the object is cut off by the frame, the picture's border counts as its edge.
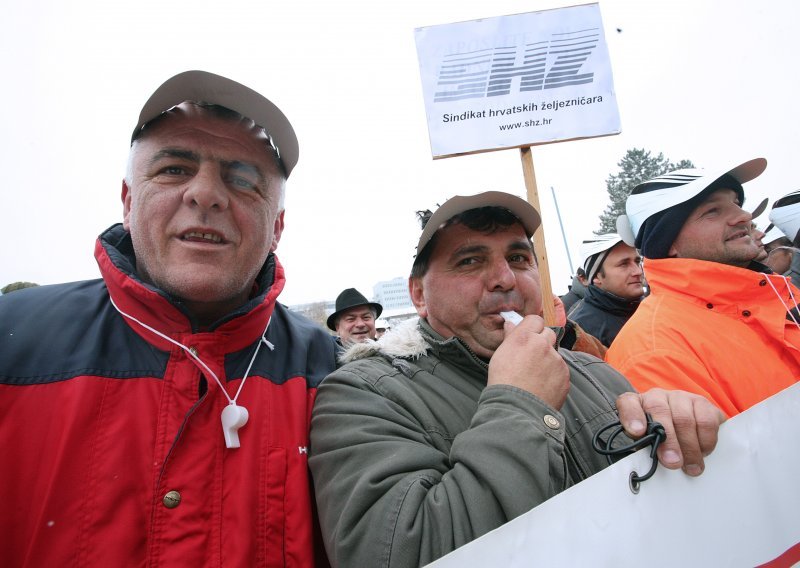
(520, 208)
(201, 86)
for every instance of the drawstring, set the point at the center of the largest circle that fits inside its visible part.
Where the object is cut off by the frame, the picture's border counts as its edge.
(200, 361)
(791, 295)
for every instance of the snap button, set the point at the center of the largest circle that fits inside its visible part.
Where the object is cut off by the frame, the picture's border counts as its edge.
(762, 283)
(710, 306)
(746, 313)
(172, 499)
(193, 351)
(551, 421)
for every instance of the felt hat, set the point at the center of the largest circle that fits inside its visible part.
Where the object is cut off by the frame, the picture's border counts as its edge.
(351, 298)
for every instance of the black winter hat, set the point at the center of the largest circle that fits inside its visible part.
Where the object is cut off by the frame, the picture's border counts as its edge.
(351, 298)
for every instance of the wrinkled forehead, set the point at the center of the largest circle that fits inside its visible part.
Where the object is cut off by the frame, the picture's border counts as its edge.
(458, 234)
(357, 311)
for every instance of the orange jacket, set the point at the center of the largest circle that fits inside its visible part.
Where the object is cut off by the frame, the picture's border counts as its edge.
(712, 329)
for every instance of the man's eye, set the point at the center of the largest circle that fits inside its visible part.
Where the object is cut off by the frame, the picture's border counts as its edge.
(516, 258)
(242, 183)
(467, 261)
(174, 170)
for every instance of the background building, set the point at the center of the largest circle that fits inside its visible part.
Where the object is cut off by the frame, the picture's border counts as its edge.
(392, 294)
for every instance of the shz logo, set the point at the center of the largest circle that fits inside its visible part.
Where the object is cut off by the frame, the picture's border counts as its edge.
(490, 72)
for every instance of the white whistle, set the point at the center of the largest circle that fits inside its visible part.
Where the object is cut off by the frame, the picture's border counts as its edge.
(512, 317)
(233, 418)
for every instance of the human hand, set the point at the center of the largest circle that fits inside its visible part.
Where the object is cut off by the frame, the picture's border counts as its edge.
(690, 421)
(559, 311)
(527, 359)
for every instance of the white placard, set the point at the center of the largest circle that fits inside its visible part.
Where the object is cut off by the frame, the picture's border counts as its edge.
(743, 511)
(514, 81)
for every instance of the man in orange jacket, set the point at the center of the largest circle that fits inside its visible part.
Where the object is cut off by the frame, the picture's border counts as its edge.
(716, 322)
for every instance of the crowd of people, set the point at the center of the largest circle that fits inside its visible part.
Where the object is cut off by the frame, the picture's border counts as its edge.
(173, 412)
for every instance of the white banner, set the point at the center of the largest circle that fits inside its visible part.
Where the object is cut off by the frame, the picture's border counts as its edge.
(514, 81)
(743, 511)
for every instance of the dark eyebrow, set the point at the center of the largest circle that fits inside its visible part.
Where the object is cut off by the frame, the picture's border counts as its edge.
(521, 245)
(175, 153)
(465, 250)
(190, 156)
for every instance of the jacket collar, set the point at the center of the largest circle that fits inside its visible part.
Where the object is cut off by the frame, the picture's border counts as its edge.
(712, 282)
(611, 303)
(156, 308)
(413, 338)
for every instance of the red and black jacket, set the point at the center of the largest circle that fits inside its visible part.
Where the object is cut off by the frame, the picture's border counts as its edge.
(100, 419)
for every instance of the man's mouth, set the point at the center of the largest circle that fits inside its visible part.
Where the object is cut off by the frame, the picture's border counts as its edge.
(197, 236)
(738, 235)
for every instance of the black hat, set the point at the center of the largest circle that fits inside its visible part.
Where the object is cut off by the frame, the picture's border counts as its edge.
(351, 298)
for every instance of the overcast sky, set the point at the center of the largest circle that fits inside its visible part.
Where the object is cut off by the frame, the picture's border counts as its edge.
(711, 81)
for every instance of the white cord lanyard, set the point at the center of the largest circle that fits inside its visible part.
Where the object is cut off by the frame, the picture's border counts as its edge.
(233, 416)
(791, 295)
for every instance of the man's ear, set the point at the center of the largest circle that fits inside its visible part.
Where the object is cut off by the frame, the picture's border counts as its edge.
(126, 205)
(673, 252)
(417, 293)
(277, 231)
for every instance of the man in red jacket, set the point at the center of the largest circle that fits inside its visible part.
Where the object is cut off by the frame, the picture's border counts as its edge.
(159, 416)
(716, 322)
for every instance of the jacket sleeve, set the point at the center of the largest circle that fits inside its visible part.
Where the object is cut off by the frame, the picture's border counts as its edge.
(392, 492)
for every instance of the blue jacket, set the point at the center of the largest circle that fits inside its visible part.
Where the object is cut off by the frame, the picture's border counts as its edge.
(602, 314)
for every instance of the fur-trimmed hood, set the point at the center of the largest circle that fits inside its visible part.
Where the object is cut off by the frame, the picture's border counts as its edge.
(402, 340)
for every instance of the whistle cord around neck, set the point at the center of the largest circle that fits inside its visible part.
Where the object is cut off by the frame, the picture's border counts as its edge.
(786, 281)
(189, 352)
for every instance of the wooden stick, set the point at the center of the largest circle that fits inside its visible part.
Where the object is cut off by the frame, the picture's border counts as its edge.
(538, 237)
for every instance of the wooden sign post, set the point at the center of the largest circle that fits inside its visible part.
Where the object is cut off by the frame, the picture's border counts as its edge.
(529, 173)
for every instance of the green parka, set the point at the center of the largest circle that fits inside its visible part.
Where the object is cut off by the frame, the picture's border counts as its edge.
(413, 455)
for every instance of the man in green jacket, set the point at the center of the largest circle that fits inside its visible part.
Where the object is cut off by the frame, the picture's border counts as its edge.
(458, 422)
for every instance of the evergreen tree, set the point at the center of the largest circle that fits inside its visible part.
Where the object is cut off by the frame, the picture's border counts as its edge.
(636, 166)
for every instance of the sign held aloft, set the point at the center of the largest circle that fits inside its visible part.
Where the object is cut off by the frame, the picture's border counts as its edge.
(516, 81)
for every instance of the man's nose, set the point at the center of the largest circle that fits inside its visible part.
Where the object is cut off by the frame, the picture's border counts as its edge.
(207, 189)
(741, 217)
(501, 277)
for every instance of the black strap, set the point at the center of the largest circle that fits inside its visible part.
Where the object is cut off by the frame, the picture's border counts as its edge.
(654, 436)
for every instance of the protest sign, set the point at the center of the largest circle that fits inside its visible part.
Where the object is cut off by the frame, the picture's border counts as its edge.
(742, 511)
(515, 81)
